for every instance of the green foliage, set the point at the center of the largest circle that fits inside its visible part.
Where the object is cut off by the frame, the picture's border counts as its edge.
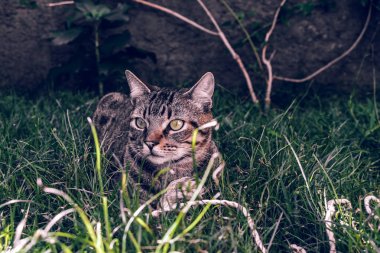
(100, 43)
(336, 140)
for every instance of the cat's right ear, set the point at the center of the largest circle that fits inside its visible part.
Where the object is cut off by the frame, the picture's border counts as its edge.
(203, 90)
(136, 86)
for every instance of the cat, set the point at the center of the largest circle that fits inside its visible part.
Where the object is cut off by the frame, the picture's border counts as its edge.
(151, 130)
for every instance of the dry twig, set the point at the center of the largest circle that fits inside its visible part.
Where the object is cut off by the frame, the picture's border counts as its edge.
(328, 65)
(235, 56)
(177, 15)
(219, 33)
(246, 33)
(266, 61)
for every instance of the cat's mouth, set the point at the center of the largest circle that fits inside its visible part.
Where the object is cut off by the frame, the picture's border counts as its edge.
(155, 157)
(158, 158)
(154, 153)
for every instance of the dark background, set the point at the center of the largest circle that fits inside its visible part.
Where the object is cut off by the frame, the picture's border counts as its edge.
(166, 51)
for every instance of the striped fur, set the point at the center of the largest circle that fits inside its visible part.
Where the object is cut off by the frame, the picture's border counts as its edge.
(156, 146)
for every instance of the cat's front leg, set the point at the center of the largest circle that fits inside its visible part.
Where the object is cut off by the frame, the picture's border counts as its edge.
(178, 191)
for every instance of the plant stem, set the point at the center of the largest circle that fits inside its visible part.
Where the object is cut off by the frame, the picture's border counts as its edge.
(247, 35)
(219, 33)
(267, 61)
(233, 53)
(334, 61)
(179, 16)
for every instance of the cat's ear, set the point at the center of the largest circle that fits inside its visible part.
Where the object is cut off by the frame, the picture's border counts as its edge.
(204, 89)
(136, 86)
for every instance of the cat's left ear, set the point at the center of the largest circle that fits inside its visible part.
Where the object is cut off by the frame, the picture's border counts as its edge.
(136, 86)
(204, 89)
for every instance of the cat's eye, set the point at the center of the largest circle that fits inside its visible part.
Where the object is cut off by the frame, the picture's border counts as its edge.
(176, 124)
(140, 123)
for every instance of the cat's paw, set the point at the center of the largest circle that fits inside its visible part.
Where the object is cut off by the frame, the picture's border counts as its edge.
(178, 191)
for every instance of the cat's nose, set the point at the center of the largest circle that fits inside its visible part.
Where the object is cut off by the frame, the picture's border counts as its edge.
(151, 144)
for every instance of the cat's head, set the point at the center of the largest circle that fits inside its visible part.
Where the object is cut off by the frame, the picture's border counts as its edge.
(163, 120)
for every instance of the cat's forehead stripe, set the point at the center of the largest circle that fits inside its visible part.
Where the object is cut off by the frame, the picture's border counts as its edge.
(170, 99)
(153, 97)
(159, 103)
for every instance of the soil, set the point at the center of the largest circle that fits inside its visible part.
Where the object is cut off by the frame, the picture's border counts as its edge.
(304, 40)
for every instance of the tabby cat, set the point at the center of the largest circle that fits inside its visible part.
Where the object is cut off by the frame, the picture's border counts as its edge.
(151, 130)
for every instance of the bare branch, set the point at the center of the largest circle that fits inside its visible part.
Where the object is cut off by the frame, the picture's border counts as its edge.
(177, 15)
(328, 65)
(266, 61)
(232, 51)
(219, 33)
(247, 35)
(60, 3)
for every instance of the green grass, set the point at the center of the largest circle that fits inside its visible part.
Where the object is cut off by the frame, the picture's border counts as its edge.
(336, 141)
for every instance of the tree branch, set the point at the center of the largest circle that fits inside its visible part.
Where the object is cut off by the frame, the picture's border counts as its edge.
(177, 15)
(328, 65)
(247, 35)
(235, 56)
(266, 61)
(219, 33)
